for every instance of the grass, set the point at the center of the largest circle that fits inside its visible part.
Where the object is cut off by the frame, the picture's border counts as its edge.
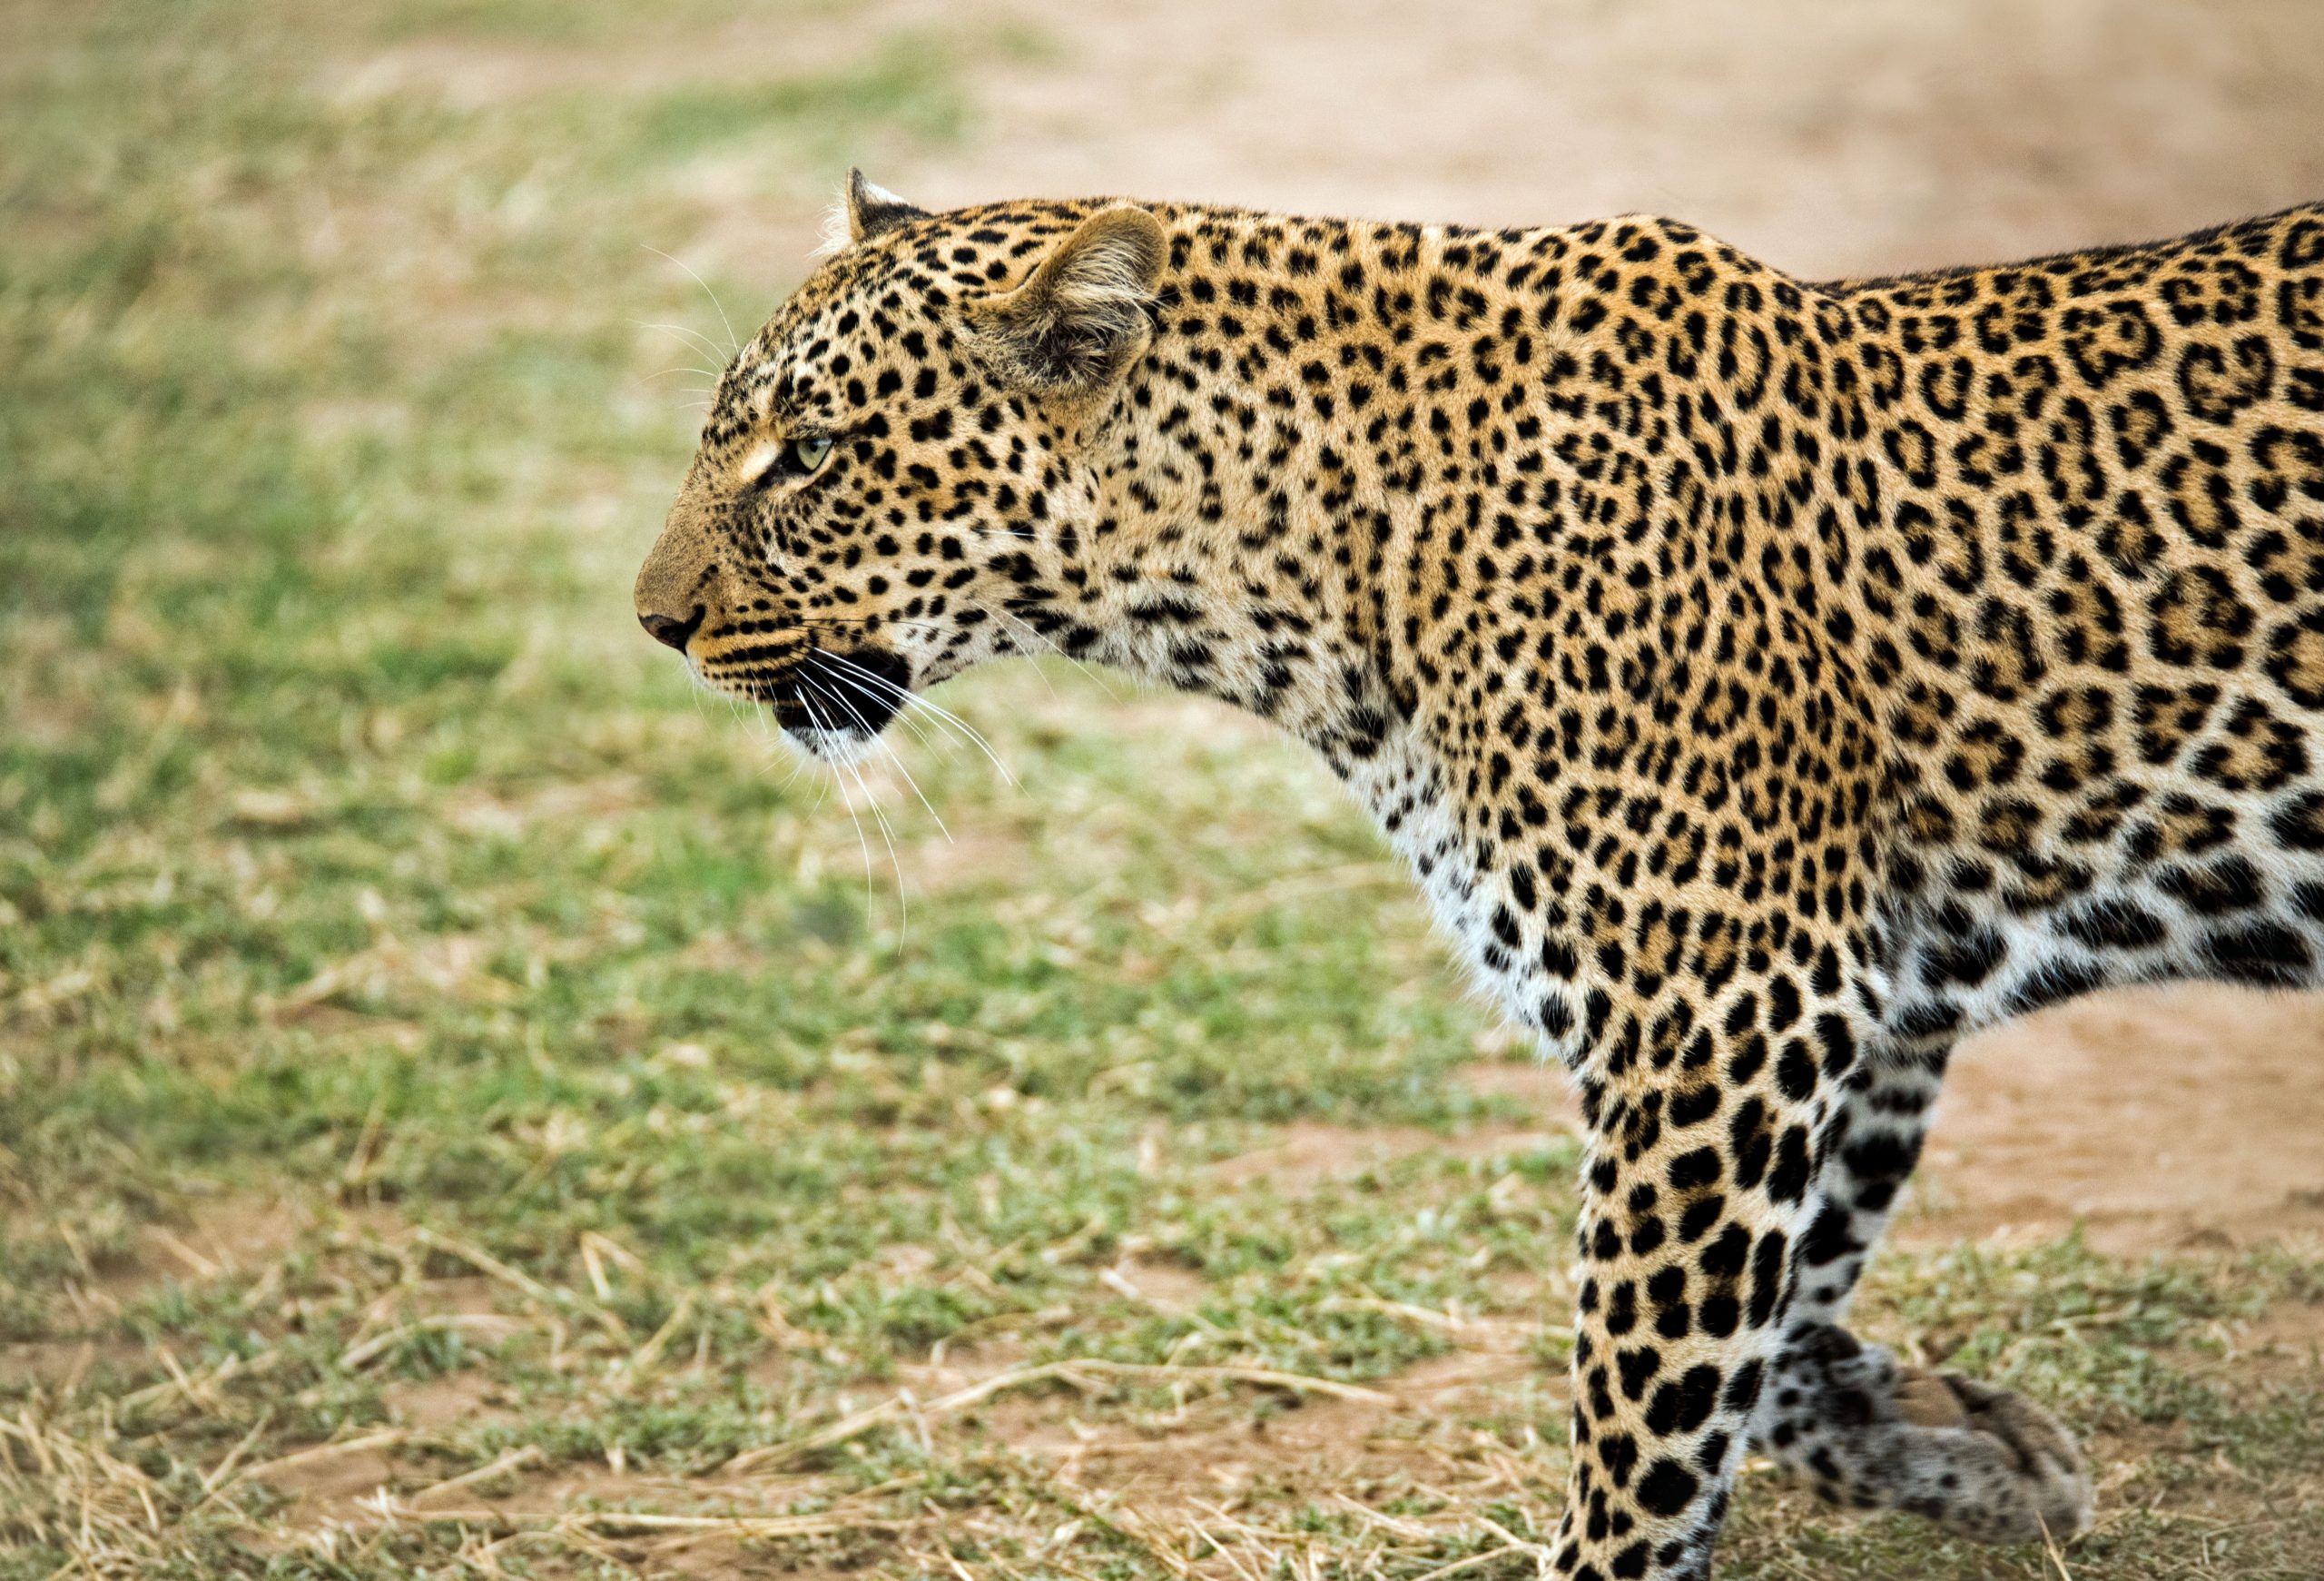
(468, 1108)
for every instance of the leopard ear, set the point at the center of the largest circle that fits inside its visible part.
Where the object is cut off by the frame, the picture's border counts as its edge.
(1081, 318)
(871, 209)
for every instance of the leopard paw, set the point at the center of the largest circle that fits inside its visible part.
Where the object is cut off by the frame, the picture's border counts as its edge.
(1983, 1463)
(2005, 1469)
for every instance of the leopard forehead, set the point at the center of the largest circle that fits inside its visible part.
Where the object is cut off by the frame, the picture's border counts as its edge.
(883, 311)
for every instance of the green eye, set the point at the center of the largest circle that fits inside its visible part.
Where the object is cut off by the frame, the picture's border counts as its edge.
(802, 456)
(805, 454)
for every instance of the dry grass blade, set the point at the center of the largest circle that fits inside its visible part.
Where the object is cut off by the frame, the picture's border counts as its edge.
(358, 1356)
(515, 1459)
(221, 1478)
(643, 1359)
(1263, 1377)
(1428, 1317)
(1473, 1560)
(2051, 1551)
(79, 1498)
(517, 1280)
(387, 1438)
(1370, 1516)
(195, 1389)
(641, 1522)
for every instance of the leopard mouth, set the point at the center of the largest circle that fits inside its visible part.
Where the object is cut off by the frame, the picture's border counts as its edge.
(843, 696)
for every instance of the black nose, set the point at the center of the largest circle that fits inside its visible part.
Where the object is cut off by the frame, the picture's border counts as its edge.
(675, 632)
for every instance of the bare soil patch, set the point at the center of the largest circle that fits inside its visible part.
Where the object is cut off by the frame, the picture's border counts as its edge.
(2284, 1344)
(1215, 1450)
(1309, 1153)
(456, 1400)
(2160, 1120)
(64, 1365)
(208, 1236)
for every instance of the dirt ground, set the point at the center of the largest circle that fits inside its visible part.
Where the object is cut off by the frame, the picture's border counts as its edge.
(1873, 137)
(2165, 1120)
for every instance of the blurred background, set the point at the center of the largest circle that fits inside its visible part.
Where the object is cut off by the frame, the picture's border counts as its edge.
(468, 1104)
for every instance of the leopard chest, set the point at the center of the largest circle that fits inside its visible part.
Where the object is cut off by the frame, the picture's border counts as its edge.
(1500, 942)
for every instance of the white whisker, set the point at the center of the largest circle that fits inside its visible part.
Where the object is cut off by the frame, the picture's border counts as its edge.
(879, 814)
(845, 801)
(706, 343)
(877, 740)
(734, 346)
(913, 699)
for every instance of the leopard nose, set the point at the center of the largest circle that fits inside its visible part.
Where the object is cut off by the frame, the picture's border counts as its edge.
(670, 630)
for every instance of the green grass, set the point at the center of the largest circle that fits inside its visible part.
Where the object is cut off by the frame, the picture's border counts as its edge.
(421, 1015)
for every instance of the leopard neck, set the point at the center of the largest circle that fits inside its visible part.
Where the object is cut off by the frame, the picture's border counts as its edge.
(1358, 459)
(1264, 475)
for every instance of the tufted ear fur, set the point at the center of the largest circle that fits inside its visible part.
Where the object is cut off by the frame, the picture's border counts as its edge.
(1081, 318)
(872, 208)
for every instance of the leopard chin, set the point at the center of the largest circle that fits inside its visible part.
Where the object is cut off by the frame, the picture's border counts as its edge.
(834, 705)
(839, 748)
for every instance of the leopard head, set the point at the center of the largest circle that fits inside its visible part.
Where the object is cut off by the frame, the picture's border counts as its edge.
(896, 470)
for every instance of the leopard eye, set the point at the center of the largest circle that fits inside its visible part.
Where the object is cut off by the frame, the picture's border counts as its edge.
(806, 454)
(800, 456)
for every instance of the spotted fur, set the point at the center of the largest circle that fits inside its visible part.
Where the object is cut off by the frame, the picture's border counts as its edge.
(1769, 682)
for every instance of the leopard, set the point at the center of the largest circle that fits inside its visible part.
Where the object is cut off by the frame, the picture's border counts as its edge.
(1768, 683)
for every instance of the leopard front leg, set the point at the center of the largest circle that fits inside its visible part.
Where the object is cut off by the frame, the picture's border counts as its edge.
(1696, 1196)
(1847, 1419)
